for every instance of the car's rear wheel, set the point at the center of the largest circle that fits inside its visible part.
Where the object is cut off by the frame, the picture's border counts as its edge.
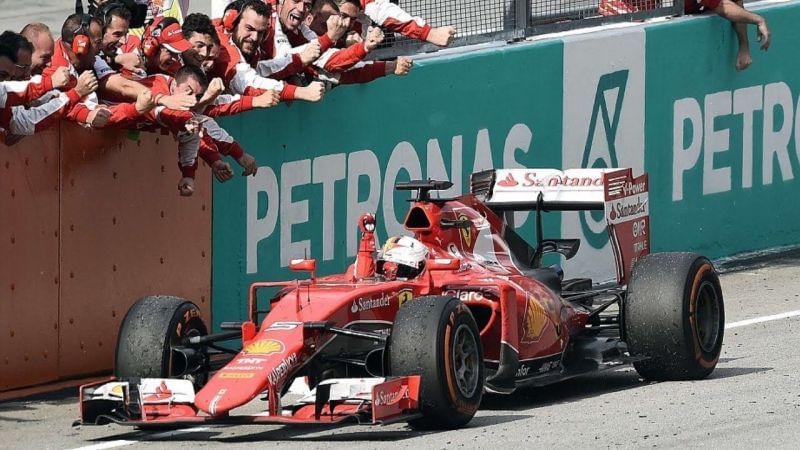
(674, 316)
(150, 330)
(437, 338)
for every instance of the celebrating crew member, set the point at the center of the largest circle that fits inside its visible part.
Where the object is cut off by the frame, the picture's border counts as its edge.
(33, 105)
(77, 49)
(732, 10)
(201, 34)
(391, 17)
(38, 34)
(345, 66)
(241, 33)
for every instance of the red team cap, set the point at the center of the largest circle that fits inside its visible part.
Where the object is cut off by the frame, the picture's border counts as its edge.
(170, 36)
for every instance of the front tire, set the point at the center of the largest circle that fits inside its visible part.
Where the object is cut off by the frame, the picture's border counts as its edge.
(149, 330)
(674, 316)
(437, 338)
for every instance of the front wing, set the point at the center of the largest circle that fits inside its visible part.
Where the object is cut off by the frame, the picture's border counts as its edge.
(157, 402)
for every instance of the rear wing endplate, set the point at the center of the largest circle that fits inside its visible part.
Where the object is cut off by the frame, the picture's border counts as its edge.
(623, 198)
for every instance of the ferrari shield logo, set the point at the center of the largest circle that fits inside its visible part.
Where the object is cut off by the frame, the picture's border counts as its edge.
(265, 347)
(534, 321)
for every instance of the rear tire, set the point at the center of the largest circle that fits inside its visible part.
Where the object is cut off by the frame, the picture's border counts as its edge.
(675, 316)
(149, 330)
(437, 338)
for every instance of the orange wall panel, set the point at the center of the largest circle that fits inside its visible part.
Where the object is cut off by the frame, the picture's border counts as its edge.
(126, 233)
(29, 217)
(90, 222)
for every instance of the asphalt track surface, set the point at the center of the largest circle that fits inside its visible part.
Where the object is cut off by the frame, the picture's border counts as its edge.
(752, 400)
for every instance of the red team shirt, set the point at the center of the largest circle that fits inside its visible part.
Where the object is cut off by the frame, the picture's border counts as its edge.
(696, 6)
(121, 115)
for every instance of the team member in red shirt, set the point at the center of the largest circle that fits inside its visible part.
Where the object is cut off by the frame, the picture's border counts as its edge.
(729, 9)
(735, 12)
(290, 49)
(346, 67)
(214, 141)
(33, 105)
(162, 45)
(116, 19)
(119, 65)
(24, 92)
(200, 32)
(390, 16)
(81, 38)
(292, 44)
(23, 51)
(38, 34)
(19, 121)
(242, 34)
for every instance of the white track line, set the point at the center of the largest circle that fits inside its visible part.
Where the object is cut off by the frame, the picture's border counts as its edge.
(166, 434)
(124, 442)
(743, 323)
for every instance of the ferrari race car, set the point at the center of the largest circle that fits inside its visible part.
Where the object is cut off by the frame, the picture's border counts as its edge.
(419, 331)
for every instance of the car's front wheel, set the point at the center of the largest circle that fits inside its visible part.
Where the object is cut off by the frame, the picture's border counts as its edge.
(437, 338)
(151, 328)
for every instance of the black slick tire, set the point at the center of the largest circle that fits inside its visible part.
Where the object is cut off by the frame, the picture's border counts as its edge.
(149, 330)
(674, 315)
(437, 338)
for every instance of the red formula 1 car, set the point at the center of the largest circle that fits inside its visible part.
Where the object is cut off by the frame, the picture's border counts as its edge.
(419, 332)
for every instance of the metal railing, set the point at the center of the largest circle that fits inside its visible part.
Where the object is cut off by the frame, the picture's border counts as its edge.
(479, 21)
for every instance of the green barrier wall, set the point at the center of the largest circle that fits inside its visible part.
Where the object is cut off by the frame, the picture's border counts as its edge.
(720, 146)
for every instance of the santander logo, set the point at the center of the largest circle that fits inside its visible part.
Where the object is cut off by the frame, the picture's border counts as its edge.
(508, 181)
(365, 304)
(392, 397)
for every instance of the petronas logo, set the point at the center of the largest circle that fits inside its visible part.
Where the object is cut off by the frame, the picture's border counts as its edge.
(600, 150)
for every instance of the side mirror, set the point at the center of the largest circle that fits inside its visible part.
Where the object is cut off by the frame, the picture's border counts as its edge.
(444, 264)
(304, 265)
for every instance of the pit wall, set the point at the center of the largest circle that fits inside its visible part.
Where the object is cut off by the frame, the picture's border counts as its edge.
(721, 146)
(89, 222)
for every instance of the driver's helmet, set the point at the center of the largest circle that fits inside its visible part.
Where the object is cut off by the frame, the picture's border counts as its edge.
(402, 257)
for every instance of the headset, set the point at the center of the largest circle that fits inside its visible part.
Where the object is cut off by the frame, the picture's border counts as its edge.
(231, 17)
(137, 8)
(105, 9)
(81, 43)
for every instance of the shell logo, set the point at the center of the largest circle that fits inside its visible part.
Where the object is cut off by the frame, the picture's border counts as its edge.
(534, 322)
(466, 233)
(404, 296)
(265, 347)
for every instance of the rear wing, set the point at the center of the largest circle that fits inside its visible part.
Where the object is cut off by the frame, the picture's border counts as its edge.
(623, 198)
